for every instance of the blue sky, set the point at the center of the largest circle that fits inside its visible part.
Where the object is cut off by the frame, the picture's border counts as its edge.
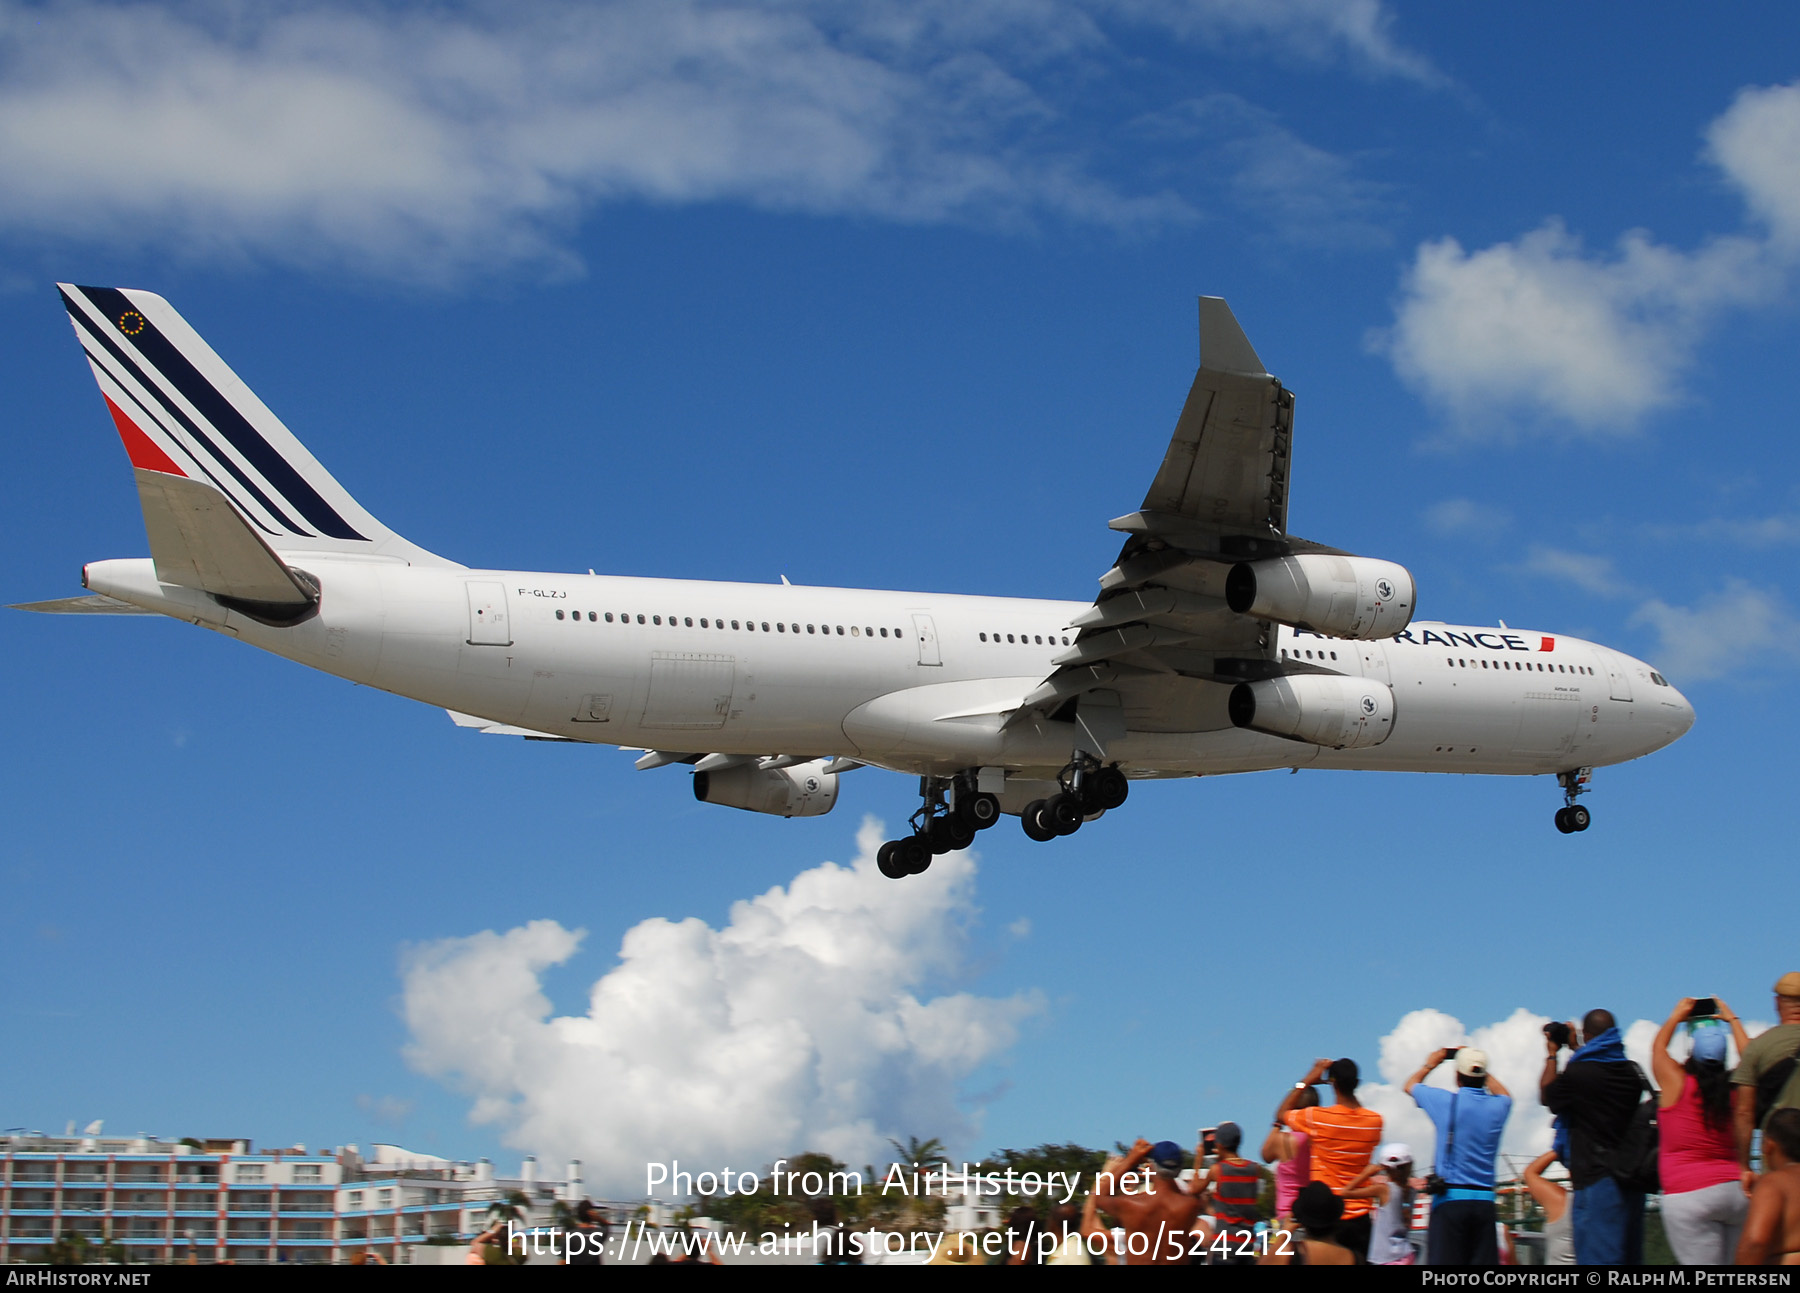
(885, 296)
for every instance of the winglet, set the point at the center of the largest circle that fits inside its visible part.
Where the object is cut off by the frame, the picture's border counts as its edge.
(1223, 345)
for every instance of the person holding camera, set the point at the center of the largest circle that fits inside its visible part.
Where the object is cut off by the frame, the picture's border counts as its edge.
(1703, 1200)
(1469, 1121)
(1594, 1099)
(1344, 1137)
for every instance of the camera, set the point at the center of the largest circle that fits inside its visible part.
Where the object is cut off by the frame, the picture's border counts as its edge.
(1705, 1008)
(1561, 1034)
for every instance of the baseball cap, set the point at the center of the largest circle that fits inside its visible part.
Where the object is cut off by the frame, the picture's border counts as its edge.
(1788, 985)
(1471, 1062)
(1709, 1044)
(1228, 1136)
(1167, 1155)
(1394, 1154)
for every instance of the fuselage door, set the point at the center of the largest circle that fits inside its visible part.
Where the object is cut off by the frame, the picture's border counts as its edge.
(488, 622)
(1615, 674)
(926, 632)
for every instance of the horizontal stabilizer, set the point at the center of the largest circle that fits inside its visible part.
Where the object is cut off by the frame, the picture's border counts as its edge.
(198, 540)
(92, 604)
(488, 727)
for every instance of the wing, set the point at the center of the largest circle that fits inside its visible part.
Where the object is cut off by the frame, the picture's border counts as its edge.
(1160, 635)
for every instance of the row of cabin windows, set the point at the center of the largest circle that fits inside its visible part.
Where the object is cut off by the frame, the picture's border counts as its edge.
(1297, 653)
(1028, 639)
(748, 626)
(1527, 666)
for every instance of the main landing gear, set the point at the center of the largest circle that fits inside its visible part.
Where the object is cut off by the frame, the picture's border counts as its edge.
(938, 827)
(1572, 817)
(1087, 791)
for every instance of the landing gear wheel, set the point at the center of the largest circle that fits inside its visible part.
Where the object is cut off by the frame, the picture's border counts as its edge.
(979, 811)
(1064, 813)
(1110, 788)
(1578, 816)
(888, 862)
(1033, 820)
(913, 853)
(1562, 821)
(937, 835)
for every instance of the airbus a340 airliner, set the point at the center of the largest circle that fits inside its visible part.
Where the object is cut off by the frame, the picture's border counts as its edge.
(1219, 642)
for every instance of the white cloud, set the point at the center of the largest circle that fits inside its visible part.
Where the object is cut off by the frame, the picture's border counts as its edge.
(1757, 143)
(1720, 633)
(1542, 328)
(801, 1024)
(1456, 516)
(1296, 191)
(424, 142)
(1588, 571)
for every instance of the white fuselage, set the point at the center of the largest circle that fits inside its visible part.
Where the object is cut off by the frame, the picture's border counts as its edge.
(914, 682)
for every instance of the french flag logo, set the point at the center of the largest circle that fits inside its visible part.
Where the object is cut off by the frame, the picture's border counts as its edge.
(1546, 644)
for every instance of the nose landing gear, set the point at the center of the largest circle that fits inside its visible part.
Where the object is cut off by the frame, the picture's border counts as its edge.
(1572, 817)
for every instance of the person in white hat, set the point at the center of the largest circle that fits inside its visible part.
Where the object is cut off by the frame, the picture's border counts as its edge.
(1469, 1121)
(1388, 1181)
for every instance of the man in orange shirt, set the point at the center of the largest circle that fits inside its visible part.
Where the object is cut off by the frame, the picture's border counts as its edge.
(1344, 1139)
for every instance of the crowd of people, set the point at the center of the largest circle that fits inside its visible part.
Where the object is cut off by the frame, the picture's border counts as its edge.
(1345, 1195)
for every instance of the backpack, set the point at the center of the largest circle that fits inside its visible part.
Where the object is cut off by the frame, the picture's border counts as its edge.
(1634, 1159)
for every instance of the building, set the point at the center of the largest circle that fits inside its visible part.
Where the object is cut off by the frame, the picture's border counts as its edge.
(220, 1200)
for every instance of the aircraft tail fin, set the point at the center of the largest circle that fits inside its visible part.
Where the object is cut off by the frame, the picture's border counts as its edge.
(183, 414)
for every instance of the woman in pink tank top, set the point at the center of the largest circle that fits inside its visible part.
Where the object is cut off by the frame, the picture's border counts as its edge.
(1291, 1152)
(1703, 1204)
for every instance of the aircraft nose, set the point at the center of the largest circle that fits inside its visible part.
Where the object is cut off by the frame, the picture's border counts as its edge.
(1681, 716)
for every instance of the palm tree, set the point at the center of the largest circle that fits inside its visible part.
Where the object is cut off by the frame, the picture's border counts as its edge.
(920, 1153)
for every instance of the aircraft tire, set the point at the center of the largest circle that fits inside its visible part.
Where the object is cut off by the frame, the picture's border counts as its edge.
(937, 836)
(979, 811)
(1063, 813)
(1110, 789)
(959, 833)
(915, 854)
(1562, 821)
(888, 862)
(1579, 817)
(1033, 821)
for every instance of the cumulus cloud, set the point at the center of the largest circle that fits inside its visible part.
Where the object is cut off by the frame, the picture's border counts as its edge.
(1541, 330)
(805, 1022)
(421, 142)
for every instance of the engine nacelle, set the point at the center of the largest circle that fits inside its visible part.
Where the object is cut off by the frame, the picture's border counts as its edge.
(1342, 597)
(1320, 709)
(804, 790)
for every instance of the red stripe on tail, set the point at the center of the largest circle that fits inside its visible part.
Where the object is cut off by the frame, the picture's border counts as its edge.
(139, 447)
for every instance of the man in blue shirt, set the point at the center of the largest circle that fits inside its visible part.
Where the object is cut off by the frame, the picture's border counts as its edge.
(1469, 1121)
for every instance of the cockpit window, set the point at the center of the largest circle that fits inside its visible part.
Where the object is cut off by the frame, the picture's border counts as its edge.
(1658, 679)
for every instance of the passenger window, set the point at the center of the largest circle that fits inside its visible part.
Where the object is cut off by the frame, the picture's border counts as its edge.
(689, 621)
(795, 627)
(703, 622)
(1334, 655)
(984, 639)
(1009, 637)
(559, 615)
(868, 632)
(780, 627)
(840, 629)
(883, 632)
(609, 617)
(640, 619)
(1065, 640)
(656, 618)
(809, 628)
(592, 617)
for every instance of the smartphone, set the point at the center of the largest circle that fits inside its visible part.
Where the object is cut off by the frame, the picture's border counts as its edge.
(1209, 1147)
(1450, 1052)
(1705, 1008)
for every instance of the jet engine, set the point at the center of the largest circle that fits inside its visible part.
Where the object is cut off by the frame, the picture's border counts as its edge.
(804, 790)
(1344, 597)
(1320, 709)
